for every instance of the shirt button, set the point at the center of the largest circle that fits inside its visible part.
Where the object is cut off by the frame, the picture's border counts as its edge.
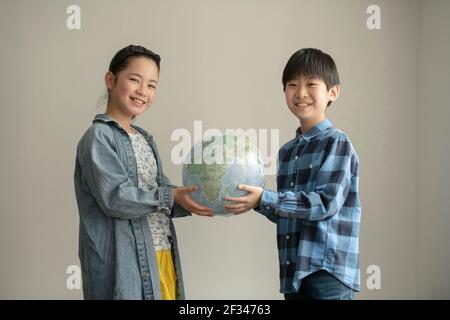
(287, 237)
(310, 166)
(144, 274)
(292, 184)
(296, 157)
(267, 207)
(288, 263)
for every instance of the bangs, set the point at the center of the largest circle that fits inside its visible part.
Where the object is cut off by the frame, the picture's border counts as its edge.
(311, 63)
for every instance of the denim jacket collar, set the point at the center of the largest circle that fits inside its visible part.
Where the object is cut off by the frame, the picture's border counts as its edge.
(102, 117)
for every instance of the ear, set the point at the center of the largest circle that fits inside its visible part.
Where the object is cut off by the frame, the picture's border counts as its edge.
(109, 80)
(333, 93)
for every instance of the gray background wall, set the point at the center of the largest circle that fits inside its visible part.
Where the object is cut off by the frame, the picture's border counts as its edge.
(433, 211)
(222, 64)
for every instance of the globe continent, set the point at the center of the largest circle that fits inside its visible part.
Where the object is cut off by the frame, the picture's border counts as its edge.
(217, 165)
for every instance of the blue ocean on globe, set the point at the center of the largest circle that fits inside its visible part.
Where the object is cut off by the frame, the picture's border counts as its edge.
(217, 165)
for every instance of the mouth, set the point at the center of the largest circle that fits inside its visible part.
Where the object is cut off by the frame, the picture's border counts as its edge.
(137, 101)
(303, 105)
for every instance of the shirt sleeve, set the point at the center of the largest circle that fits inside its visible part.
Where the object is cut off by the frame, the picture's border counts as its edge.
(106, 178)
(266, 208)
(332, 185)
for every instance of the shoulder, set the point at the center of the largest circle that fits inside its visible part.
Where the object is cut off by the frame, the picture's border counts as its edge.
(288, 145)
(97, 132)
(337, 140)
(334, 134)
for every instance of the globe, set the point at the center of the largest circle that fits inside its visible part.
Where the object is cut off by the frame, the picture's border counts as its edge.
(217, 165)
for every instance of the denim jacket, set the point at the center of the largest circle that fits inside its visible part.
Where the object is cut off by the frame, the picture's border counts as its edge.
(116, 250)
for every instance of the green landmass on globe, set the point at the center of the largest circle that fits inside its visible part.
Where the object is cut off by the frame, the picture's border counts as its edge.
(226, 161)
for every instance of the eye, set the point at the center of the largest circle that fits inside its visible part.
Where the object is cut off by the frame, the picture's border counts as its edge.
(152, 86)
(292, 85)
(134, 80)
(312, 84)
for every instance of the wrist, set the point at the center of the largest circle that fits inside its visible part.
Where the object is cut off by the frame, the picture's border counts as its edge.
(165, 197)
(175, 194)
(260, 193)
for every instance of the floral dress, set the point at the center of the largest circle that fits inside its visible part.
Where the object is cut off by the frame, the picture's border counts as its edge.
(159, 222)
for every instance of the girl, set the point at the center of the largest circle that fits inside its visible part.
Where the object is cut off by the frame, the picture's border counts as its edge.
(127, 243)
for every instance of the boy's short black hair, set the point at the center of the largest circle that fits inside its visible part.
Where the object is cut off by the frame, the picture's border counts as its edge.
(314, 63)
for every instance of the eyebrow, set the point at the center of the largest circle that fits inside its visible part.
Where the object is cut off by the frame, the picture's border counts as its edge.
(138, 75)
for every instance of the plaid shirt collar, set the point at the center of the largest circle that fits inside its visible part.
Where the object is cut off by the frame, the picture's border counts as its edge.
(314, 131)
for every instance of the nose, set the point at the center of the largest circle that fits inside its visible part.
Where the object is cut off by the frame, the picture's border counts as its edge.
(141, 89)
(301, 92)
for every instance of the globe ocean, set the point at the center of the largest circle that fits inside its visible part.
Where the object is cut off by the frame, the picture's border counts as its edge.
(217, 165)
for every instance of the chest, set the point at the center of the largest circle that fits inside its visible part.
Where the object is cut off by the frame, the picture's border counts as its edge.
(299, 165)
(139, 157)
(147, 167)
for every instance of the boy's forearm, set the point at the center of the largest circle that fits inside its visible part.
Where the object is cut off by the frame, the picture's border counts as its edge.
(311, 206)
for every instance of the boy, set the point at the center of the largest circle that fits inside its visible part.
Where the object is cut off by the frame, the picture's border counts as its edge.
(317, 208)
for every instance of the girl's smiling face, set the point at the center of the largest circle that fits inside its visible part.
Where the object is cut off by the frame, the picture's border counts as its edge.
(132, 90)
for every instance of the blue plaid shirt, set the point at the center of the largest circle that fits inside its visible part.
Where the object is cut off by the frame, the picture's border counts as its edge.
(317, 208)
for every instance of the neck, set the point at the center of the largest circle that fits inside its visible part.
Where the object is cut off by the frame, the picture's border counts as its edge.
(123, 120)
(308, 125)
(305, 127)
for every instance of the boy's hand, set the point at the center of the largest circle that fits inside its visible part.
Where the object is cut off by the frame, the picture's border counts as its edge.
(246, 203)
(182, 197)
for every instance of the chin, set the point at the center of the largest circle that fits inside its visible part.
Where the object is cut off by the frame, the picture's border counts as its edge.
(303, 116)
(138, 111)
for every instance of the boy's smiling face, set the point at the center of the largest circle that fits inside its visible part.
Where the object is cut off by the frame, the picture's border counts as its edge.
(307, 98)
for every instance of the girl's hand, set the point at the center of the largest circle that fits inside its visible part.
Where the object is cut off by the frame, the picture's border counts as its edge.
(182, 197)
(246, 203)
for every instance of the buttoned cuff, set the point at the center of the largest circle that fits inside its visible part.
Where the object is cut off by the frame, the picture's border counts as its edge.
(165, 197)
(268, 205)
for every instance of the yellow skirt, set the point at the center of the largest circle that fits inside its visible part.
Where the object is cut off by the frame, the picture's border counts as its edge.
(167, 275)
